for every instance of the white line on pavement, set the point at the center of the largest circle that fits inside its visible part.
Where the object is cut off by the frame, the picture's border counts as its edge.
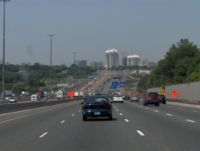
(146, 108)
(168, 114)
(155, 111)
(120, 114)
(45, 133)
(195, 111)
(117, 110)
(126, 120)
(139, 132)
(191, 121)
(79, 111)
(63, 121)
(73, 114)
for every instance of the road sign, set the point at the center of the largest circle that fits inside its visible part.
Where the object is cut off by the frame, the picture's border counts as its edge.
(71, 94)
(174, 94)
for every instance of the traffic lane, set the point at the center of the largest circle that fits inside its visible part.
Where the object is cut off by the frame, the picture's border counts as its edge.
(168, 133)
(100, 134)
(25, 113)
(188, 113)
(182, 112)
(22, 134)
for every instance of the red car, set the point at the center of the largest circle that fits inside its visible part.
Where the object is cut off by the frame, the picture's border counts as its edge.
(152, 98)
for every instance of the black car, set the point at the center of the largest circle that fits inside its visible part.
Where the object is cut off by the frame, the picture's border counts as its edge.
(96, 106)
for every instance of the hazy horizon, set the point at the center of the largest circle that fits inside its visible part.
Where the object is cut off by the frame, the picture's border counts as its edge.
(89, 27)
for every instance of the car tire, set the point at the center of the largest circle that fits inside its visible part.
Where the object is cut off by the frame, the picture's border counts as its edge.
(110, 117)
(84, 118)
(157, 104)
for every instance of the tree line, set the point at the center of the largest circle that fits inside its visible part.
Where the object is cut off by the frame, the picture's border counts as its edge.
(181, 64)
(38, 77)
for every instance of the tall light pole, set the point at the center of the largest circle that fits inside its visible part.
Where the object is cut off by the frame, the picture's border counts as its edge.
(51, 54)
(74, 53)
(4, 47)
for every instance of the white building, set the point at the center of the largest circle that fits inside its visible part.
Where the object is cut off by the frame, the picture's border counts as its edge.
(112, 58)
(133, 60)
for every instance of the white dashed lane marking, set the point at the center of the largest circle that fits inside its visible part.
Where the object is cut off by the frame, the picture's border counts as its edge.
(43, 135)
(126, 120)
(140, 133)
(73, 114)
(191, 121)
(155, 111)
(63, 121)
(168, 114)
(120, 114)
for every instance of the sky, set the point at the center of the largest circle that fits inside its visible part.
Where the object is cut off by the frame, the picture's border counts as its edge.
(89, 27)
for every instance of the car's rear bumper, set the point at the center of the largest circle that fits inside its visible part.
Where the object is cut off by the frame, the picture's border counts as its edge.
(151, 102)
(97, 112)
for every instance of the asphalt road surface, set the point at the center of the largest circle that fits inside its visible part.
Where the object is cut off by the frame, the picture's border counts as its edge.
(134, 128)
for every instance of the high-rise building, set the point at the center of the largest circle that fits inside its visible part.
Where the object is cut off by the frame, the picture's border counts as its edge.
(112, 58)
(133, 60)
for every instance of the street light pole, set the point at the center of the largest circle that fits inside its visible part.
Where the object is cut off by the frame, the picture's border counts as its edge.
(4, 47)
(74, 53)
(51, 54)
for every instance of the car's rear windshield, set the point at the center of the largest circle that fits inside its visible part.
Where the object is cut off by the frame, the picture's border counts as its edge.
(117, 95)
(153, 94)
(96, 99)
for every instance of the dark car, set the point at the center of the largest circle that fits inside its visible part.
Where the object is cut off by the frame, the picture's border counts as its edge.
(152, 98)
(162, 99)
(96, 106)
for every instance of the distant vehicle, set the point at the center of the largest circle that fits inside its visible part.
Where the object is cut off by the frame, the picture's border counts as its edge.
(35, 97)
(12, 100)
(96, 106)
(162, 99)
(134, 99)
(118, 98)
(127, 98)
(59, 95)
(151, 98)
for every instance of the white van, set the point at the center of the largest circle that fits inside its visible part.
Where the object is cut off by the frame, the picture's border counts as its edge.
(34, 98)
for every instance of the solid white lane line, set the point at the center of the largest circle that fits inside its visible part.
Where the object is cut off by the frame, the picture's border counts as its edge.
(12, 119)
(45, 133)
(155, 111)
(120, 114)
(191, 121)
(168, 114)
(63, 121)
(139, 132)
(126, 120)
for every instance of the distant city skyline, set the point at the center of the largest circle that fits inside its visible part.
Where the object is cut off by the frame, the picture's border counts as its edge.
(88, 27)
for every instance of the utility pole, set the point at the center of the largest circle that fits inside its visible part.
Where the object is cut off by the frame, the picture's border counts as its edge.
(51, 55)
(4, 48)
(74, 54)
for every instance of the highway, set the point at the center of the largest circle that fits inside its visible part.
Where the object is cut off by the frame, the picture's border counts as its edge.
(134, 128)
